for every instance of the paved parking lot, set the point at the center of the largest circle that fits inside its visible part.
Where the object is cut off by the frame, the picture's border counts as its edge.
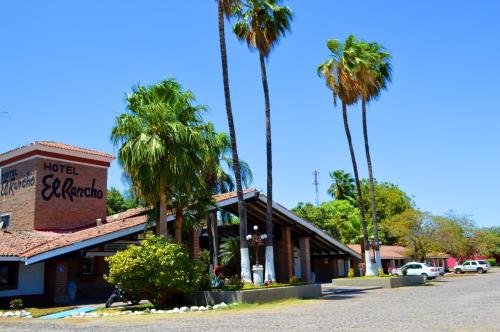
(462, 303)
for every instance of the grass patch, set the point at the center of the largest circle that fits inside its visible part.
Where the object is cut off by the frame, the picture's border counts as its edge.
(39, 312)
(248, 286)
(139, 307)
(371, 277)
(269, 305)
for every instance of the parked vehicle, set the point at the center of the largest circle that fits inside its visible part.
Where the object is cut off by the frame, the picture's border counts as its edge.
(416, 269)
(479, 266)
(119, 295)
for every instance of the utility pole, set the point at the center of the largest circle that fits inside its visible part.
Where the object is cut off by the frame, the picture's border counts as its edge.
(316, 184)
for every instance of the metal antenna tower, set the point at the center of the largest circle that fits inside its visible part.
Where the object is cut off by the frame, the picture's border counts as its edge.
(316, 184)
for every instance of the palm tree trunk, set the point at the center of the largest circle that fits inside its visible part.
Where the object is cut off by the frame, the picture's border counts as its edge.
(242, 213)
(373, 205)
(158, 229)
(163, 213)
(366, 244)
(178, 224)
(270, 275)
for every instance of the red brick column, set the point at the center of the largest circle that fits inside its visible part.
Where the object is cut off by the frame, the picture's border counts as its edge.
(194, 243)
(305, 258)
(61, 283)
(287, 252)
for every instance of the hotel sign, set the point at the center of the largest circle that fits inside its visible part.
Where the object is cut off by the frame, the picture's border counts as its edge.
(11, 182)
(60, 184)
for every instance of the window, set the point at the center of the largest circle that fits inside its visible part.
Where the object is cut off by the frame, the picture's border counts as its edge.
(5, 220)
(482, 262)
(466, 263)
(8, 275)
(88, 265)
(473, 263)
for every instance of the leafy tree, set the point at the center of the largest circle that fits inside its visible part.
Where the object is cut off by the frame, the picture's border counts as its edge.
(390, 201)
(155, 270)
(262, 23)
(339, 218)
(225, 9)
(117, 202)
(342, 186)
(416, 231)
(487, 241)
(162, 143)
(453, 234)
(372, 71)
(338, 72)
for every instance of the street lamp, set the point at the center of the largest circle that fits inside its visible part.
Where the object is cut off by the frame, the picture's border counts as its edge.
(257, 240)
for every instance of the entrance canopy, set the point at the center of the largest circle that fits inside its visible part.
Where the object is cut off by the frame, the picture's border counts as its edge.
(321, 244)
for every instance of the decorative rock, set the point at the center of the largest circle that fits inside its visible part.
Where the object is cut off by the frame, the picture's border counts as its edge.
(216, 307)
(202, 308)
(223, 305)
(209, 307)
(8, 314)
(184, 309)
(195, 308)
(175, 310)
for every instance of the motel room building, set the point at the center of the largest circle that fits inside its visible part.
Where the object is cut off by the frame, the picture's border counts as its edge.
(55, 234)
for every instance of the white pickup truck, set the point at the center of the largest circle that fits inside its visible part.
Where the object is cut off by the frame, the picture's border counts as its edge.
(478, 266)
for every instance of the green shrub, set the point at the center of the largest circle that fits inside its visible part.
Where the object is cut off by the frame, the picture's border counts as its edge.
(381, 272)
(155, 270)
(16, 304)
(350, 273)
(492, 261)
(234, 283)
(294, 280)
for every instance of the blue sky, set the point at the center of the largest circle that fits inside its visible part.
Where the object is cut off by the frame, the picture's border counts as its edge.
(65, 67)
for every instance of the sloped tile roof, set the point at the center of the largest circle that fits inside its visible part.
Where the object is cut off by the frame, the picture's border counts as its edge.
(387, 252)
(64, 147)
(31, 243)
(86, 234)
(14, 243)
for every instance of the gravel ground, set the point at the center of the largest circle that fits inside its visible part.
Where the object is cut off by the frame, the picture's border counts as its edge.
(470, 302)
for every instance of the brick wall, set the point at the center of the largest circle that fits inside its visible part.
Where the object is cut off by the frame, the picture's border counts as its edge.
(17, 194)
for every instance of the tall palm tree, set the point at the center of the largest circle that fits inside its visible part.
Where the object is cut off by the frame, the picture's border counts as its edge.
(225, 9)
(342, 186)
(338, 74)
(219, 181)
(261, 24)
(161, 142)
(372, 71)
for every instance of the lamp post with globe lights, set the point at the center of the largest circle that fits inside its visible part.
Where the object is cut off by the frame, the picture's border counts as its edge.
(257, 240)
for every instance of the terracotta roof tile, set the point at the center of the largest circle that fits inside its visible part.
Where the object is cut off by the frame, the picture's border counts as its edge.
(64, 147)
(233, 194)
(14, 243)
(395, 252)
(86, 234)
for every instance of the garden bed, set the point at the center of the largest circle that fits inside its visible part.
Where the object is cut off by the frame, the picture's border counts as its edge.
(259, 295)
(382, 282)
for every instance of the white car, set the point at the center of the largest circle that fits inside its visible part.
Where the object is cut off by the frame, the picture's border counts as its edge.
(478, 266)
(418, 269)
